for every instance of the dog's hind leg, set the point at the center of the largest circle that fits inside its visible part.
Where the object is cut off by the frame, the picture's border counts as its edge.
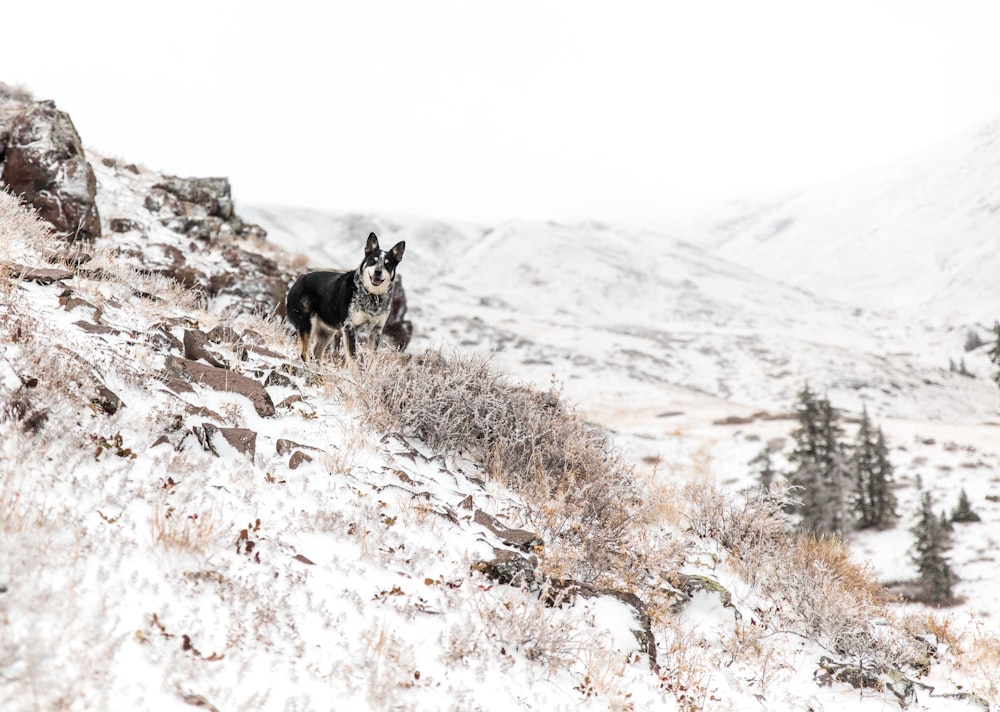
(304, 345)
(322, 340)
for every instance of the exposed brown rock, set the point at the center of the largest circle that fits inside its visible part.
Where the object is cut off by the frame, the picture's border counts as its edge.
(221, 379)
(242, 439)
(519, 538)
(124, 225)
(508, 567)
(41, 275)
(107, 400)
(45, 165)
(196, 347)
(92, 328)
(212, 194)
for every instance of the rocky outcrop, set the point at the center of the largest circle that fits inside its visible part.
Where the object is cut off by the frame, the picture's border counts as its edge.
(200, 208)
(44, 164)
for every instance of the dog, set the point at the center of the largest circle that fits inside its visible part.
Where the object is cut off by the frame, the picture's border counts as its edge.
(321, 305)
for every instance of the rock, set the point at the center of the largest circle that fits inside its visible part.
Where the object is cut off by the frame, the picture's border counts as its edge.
(508, 567)
(46, 166)
(687, 586)
(92, 328)
(298, 457)
(221, 379)
(124, 225)
(276, 378)
(224, 335)
(242, 439)
(518, 538)
(40, 275)
(196, 348)
(107, 400)
(212, 194)
(283, 446)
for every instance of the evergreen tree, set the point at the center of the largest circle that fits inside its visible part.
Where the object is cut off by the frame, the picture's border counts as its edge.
(963, 510)
(873, 500)
(820, 465)
(933, 540)
(994, 353)
(764, 466)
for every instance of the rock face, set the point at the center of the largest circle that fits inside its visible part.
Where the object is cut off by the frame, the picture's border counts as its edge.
(44, 163)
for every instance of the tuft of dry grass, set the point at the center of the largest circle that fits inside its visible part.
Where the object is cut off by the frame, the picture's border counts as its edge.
(197, 533)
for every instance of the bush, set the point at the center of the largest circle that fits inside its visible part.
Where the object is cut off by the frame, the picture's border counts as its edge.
(581, 496)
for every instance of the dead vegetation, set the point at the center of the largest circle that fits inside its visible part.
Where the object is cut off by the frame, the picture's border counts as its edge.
(580, 495)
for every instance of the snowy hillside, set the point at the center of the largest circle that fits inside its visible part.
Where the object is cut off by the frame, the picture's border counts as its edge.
(919, 236)
(542, 505)
(690, 345)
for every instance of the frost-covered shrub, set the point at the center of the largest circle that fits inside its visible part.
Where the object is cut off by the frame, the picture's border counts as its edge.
(580, 494)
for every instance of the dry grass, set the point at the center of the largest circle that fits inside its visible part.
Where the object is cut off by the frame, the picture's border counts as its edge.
(980, 656)
(816, 589)
(580, 496)
(513, 620)
(199, 532)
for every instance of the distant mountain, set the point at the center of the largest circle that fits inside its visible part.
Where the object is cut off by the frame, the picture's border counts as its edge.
(920, 235)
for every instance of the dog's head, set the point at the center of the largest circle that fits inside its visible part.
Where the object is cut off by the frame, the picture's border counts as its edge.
(379, 268)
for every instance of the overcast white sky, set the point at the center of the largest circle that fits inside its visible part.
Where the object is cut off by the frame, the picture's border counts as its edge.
(488, 111)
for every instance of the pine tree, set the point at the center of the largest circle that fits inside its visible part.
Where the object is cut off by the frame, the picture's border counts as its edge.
(820, 465)
(963, 510)
(764, 466)
(994, 353)
(873, 500)
(933, 540)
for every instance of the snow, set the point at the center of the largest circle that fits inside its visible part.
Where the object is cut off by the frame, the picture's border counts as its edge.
(167, 577)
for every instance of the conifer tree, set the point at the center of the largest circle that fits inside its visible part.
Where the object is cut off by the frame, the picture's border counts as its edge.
(932, 542)
(963, 510)
(873, 500)
(994, 353)
(764, 465)
(820, 465)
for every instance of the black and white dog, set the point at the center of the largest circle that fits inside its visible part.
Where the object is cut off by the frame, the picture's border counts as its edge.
(321, 304)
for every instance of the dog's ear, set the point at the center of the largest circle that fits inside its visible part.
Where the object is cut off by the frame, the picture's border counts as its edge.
(397, 250)
(372, 244)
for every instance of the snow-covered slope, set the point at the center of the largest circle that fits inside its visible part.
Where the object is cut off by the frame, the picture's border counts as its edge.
(920, 236)
(688, 343)
(187, 546)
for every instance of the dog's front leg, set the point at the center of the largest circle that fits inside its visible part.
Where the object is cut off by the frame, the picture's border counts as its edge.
(351, 341)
